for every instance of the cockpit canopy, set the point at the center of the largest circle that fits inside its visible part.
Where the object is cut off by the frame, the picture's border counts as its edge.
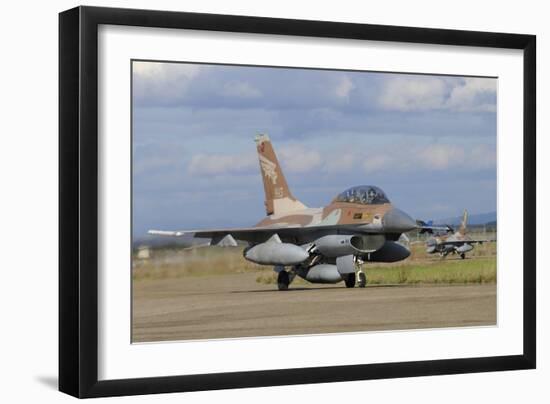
(364, 194)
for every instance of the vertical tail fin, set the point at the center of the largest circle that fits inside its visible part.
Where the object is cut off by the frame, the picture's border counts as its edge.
(464, 224)
(278, 198)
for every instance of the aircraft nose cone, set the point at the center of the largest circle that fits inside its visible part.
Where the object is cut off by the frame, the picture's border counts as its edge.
(398, 221)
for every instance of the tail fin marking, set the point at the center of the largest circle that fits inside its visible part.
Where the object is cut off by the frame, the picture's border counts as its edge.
(278, 198)
(464, 224)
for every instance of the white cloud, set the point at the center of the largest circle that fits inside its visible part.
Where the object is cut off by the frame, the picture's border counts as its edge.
(292, 159)
(440, 156)
(165, 71)
(377, 162)
(340, 161)
(163, 81)
(222, 164)
(344, 87)
(150, 157)
(436, 157)
(145, 165)
(408, 94)
(465, 97)
(299, 159)
(438, 93)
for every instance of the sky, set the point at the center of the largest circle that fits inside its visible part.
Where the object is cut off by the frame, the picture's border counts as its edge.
(428, 141)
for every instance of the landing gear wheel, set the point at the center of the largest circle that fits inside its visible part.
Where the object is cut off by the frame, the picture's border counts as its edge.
(463, 256)
(350, 280)
(283, 280)
(361, 279)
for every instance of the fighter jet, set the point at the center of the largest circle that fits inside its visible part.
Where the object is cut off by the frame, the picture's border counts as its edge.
(456, 243)
(321, 245)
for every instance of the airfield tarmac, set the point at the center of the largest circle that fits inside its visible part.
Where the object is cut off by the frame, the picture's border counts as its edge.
(235, 305)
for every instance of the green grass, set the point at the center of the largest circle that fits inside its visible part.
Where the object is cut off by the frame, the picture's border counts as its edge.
(208, 261)
(474, 270)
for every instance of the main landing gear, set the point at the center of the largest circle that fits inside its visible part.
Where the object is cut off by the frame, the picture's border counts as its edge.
(283, 280)
(350, 280)
(359, 279)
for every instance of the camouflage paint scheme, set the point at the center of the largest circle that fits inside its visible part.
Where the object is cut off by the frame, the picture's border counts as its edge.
(283, 209)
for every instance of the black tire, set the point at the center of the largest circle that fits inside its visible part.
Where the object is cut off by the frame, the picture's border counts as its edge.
(283, 280)
(463, 256)
(361, 279)
(350, 280)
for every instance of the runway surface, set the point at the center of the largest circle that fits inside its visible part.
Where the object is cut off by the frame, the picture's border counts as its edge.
(228, 306)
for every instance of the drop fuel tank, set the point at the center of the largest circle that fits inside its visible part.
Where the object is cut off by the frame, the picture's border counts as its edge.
(274, 253)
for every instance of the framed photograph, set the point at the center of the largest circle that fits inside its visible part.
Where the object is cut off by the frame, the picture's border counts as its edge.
(250, 201)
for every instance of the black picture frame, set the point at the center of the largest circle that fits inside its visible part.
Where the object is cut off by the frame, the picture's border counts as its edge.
(78, 201)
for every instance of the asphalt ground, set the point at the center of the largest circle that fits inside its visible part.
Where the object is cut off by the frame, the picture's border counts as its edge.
(235, 305)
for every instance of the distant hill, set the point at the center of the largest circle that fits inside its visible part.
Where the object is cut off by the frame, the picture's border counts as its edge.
(473, 219)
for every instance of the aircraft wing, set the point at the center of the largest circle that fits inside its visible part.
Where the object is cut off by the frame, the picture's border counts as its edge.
(261, 234)
(424, 227)
(242, 233)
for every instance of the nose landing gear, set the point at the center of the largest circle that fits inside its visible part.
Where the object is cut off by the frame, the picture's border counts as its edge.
(361, 279)
(360, 276)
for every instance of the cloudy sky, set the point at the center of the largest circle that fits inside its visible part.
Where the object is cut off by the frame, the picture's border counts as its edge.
(428, 141)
